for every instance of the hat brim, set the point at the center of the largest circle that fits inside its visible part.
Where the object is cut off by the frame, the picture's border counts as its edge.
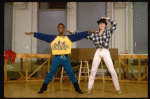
(102, 22)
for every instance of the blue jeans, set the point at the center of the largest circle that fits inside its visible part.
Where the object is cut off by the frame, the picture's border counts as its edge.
(65, 62)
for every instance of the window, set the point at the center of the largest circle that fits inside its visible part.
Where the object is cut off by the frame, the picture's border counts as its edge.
(52, 5)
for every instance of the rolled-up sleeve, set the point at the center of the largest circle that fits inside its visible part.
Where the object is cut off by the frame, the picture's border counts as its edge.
(113, 25)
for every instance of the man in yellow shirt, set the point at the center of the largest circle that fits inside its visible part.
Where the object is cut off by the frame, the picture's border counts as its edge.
(61, 47)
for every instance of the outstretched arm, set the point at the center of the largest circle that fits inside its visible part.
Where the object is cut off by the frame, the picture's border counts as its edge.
(88, 37)
(78, 36)
(41, 36)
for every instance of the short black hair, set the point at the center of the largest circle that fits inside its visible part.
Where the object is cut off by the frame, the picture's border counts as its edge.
(102, 21)
(61, 24)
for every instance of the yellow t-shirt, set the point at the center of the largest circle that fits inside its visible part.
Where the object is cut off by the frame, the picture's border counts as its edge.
(61, 45)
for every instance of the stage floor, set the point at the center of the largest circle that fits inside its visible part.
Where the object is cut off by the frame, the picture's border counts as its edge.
(66, 90)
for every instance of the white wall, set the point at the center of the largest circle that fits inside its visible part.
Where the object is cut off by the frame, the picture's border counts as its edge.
(130, 26)
(110, 15)
(123, 35)
(24, 20)
(120, 32)
(71, 18)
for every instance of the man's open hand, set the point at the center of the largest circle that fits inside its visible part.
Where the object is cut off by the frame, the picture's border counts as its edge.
(92, 31)
(71, 32)
(29, 33)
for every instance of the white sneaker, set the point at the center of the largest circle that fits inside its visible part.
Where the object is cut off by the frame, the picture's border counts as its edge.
(119, 92)
(89, 91)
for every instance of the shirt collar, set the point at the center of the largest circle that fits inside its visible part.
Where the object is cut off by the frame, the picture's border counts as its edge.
(98, 31)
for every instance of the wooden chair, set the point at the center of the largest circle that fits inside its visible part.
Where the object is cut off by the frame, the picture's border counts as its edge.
(85, 72)
(86, 67)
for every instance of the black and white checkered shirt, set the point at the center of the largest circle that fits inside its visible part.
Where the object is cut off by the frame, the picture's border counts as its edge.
(104, 39)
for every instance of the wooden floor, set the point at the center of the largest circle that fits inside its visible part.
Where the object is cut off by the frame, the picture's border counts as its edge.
(66, 89)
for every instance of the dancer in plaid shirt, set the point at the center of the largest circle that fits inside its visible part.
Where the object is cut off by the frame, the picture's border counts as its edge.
(101, 39)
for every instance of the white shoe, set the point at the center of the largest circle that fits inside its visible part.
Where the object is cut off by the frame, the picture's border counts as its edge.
(119, 92)
(89, 91)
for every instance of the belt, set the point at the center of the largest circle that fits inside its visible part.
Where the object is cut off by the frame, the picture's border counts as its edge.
(62, 56)
(101, 47)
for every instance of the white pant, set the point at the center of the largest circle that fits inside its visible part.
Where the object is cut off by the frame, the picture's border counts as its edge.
(105, 54)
